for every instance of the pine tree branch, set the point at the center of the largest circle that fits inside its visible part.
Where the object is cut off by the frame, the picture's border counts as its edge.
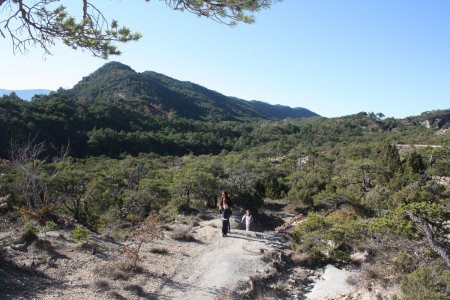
(427, 229)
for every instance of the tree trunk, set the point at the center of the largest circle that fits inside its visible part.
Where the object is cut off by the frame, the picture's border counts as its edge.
(426, 227)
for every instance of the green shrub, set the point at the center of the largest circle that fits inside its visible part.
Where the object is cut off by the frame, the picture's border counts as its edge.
(80, 233)
(29, 234)
(167, 214)
(313, 222)
(344, 215)
(49, 226)
(404, 262)
(431, 282)
(321, 239)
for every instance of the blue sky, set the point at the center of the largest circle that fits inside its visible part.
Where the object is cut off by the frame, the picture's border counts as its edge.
(334, 57)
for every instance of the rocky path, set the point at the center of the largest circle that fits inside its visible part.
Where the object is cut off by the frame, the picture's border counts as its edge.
(219, 267)
(208, 267)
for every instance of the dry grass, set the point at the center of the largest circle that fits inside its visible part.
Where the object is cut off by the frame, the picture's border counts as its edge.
(91, 247)
(182, 234)
(302, 259)
(111, 271)
(130, 268)
(101, 285)
(369, 273)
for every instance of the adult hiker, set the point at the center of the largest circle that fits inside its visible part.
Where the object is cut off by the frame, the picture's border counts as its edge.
(226, 214)
(225, 199)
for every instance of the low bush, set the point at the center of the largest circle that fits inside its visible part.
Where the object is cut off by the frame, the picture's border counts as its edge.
(182, 234)
(369, 273)
(41, 215)
(304, 259)
(111, 271)
(49, 226)
(80, 233)
(404, 263)
(129, 268)
(430, 282)
(333, 238)
(28, 234)
(43, 245)
(91, 247)
(101, 285)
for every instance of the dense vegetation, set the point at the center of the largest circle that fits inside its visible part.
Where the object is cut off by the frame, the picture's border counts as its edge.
(118, 111)
(365, 183)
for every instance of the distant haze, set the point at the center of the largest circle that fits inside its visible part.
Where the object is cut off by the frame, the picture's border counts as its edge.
(25, 94)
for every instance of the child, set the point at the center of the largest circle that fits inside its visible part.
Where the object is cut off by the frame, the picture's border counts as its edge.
(248, 219)
(226, 213)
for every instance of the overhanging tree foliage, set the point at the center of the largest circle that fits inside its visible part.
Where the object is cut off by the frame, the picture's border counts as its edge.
(42, 22)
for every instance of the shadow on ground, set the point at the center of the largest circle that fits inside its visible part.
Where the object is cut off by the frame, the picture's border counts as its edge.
(183, 288)
(21, 281)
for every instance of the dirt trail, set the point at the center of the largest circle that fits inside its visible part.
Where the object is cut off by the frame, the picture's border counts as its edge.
(206, 268)
(210, 267)
(222, 263)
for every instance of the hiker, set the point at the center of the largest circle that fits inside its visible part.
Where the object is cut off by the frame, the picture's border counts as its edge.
(248, 219)
(225, 199)
(226, 213)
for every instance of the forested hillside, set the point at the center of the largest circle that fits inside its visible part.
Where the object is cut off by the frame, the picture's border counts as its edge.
(364, 183)
(118, 111)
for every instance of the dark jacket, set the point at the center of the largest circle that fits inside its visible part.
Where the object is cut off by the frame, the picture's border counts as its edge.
(226, 213)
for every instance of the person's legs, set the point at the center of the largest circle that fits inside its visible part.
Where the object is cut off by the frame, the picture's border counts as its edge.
(229, 223)
(247, 226)
(225, 225)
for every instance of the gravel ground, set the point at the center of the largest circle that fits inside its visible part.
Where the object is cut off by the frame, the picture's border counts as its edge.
(218, 268)
(61, 268)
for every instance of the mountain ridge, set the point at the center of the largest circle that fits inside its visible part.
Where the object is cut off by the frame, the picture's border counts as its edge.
(114, 81)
